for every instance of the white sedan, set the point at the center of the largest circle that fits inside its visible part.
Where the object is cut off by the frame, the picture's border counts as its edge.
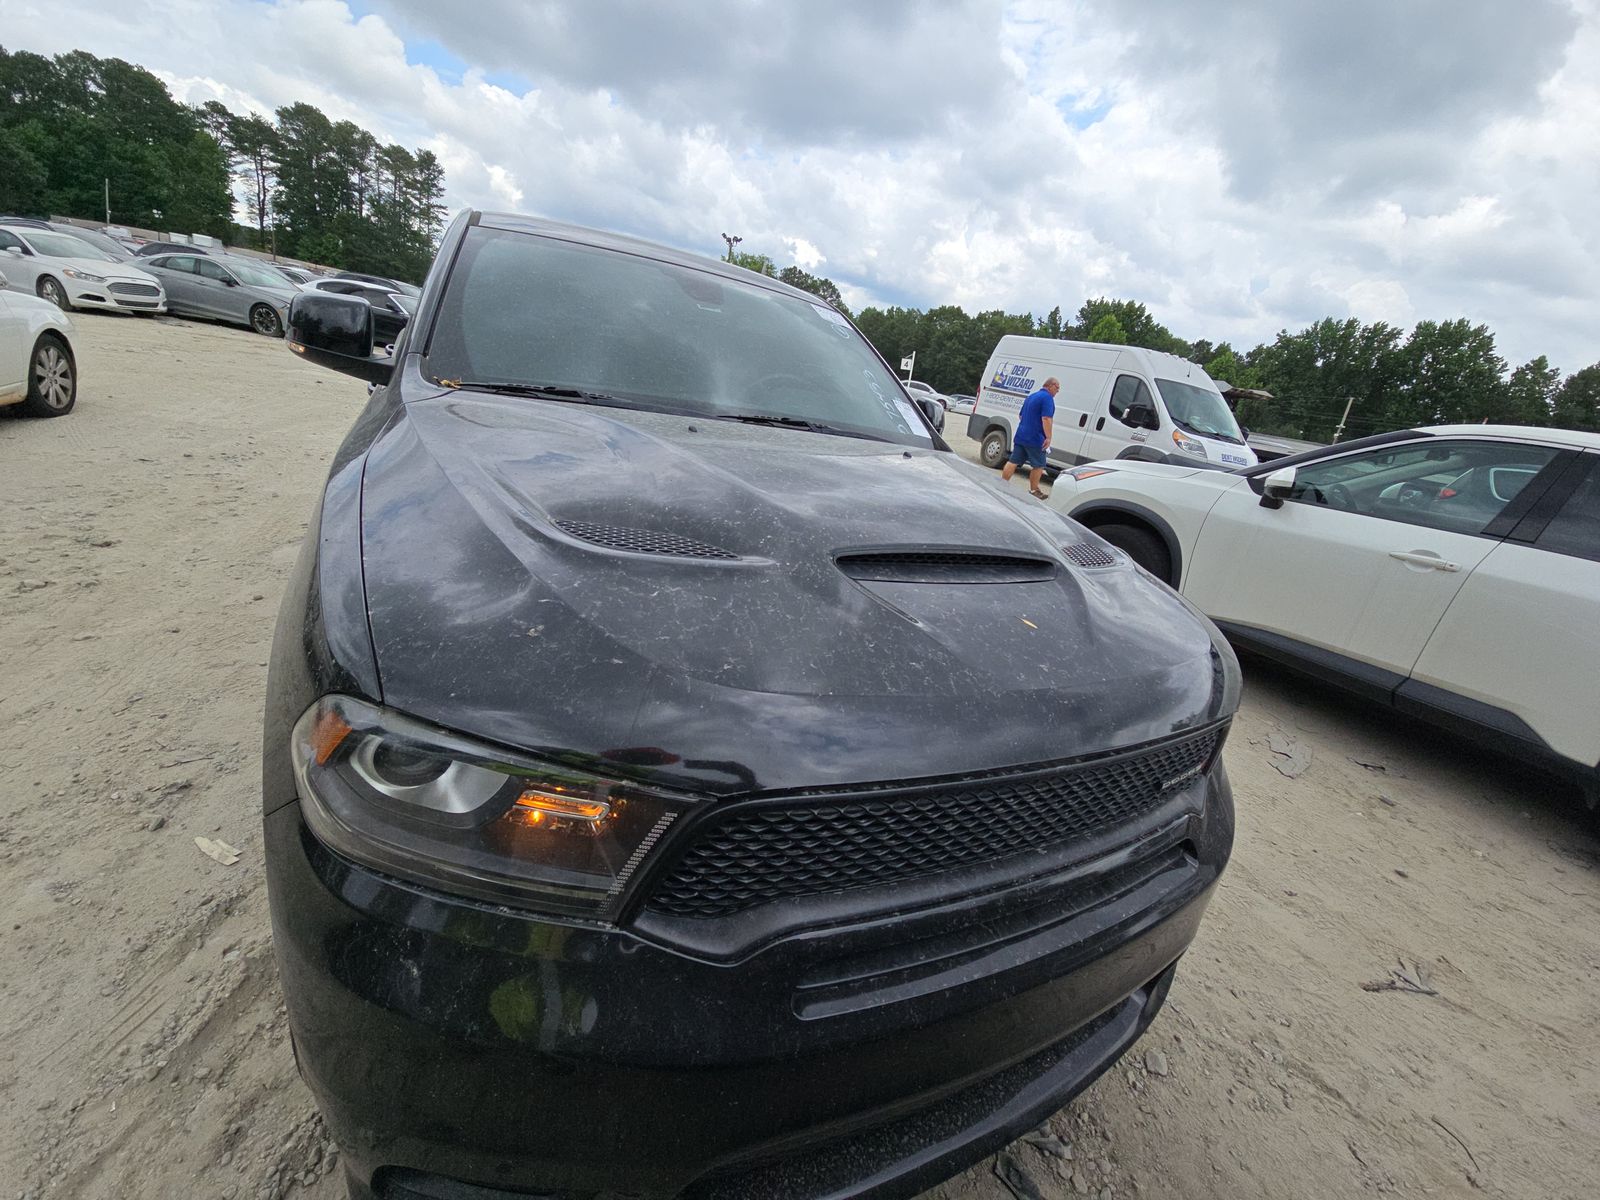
(38, 369)
(1452, 573)
(70, 273)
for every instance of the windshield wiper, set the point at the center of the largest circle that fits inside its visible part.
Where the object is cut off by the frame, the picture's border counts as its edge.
(796, 423)
(538, 391)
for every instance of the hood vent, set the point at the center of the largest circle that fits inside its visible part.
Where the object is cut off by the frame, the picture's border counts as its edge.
(945, 566)
(641, 541)
(1082, 554)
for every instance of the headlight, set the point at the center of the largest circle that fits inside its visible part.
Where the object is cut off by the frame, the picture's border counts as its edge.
(426, 805)
(74, 273)
(1187, 444)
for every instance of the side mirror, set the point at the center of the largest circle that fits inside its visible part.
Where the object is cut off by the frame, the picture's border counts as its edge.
(14, 251)
(229, 281)
(335, 331)
(1276, 487)
(931, 409)
(1140, 416)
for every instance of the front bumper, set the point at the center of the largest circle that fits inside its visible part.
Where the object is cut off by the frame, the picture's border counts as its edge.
(102, 296)
(448, 1040)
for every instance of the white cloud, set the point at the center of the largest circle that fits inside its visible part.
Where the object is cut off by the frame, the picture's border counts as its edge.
(1240, 168)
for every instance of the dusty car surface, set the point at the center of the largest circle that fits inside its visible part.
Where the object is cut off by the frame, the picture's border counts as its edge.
(683, 775)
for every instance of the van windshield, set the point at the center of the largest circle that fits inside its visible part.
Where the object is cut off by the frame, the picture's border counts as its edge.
(1199, 410)
(526, 310)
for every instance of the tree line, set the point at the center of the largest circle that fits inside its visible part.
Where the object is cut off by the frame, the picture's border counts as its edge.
(322, 190)
(1441, 372)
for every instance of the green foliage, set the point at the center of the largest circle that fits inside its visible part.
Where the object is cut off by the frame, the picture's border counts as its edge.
(817, 286)
(952, 348)
(22, 177)
(1577, 405)
(759, 263)
(1108, 330)
(1531, 393)
(323, 190)
(1139, 328)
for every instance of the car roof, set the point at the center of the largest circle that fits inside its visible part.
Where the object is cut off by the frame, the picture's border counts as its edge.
(1576, 438)
(584, 236)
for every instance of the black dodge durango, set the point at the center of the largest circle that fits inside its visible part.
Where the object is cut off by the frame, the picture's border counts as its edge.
(683, 774)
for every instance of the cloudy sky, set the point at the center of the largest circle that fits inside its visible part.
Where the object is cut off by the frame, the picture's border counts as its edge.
(1239, 167)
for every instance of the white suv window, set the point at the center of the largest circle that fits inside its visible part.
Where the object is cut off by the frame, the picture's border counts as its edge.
(1575, 530)
(1459, 486)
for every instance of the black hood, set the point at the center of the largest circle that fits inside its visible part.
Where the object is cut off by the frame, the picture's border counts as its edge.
(665, 592)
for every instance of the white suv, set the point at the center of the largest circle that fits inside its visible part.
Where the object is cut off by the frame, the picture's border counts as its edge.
(1452, 572)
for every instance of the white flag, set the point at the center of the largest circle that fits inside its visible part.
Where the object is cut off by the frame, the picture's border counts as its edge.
(905, 363)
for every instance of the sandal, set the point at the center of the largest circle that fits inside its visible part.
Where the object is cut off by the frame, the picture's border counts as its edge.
(1038, 493)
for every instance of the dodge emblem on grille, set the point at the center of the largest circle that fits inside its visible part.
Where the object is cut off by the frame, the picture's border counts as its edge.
(1183, 777)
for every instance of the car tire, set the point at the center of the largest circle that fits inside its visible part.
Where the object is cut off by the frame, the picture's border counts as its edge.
(52, 379)
(264, 320)
(992, 452)
(1142, 545)
(50, 289)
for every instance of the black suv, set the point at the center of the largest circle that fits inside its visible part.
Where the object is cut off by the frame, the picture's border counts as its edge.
(684, 775)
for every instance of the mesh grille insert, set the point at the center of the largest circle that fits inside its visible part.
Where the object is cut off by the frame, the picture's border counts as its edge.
(1084, 555)
(945, 566)
(757, 853)
(641, 541)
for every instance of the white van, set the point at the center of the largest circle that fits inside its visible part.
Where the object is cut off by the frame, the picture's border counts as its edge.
(1115, 402)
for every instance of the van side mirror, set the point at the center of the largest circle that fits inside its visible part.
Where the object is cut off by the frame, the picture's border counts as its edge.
(1277, 487)
(931, 409)
(1140, 416)
(336, 332)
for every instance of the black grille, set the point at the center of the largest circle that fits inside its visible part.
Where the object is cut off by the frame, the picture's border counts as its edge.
(816, 845)
(134, 289)
(641, 541)
(1084, 555)
(944, 566)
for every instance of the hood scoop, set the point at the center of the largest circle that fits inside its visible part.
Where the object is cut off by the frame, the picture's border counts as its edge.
(945, 566)
(1082, 554)
(641, 541)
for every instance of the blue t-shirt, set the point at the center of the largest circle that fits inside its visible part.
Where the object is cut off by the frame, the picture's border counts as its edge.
(1030, 424)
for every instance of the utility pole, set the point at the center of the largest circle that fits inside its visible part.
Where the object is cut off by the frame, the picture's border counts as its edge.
(1339, 432)
(732, 242)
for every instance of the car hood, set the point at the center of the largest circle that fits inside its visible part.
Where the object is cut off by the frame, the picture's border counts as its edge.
(507, 598)
(119, 272)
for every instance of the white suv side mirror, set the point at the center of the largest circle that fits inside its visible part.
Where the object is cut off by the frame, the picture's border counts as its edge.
(1275, 487)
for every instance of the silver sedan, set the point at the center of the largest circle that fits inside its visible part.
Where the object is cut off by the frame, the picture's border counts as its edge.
(224, 289)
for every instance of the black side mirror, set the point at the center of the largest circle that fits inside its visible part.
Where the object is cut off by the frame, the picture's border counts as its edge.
(931, 409)
(336, 332)
(1140, 416)
(229, 281)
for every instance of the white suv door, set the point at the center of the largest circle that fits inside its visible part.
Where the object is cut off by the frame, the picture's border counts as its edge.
(1522, 634)
(1367, 550)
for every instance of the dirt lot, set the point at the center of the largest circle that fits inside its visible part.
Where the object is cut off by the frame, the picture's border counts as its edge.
(142, 1044)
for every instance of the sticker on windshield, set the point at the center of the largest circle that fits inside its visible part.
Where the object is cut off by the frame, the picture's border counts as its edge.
(898, 407)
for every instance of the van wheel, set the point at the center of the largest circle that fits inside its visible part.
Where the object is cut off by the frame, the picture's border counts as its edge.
(1141, 545)
(992, 453)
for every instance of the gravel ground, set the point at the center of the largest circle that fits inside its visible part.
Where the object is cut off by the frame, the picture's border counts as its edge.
(143, 1050)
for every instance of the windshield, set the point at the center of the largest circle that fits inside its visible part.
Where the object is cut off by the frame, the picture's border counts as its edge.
(110, 247)
(258, 276)
(534, 310)
(63, 245)
(1199, 410)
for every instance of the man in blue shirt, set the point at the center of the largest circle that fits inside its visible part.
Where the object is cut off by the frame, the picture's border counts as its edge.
(1032, 439)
